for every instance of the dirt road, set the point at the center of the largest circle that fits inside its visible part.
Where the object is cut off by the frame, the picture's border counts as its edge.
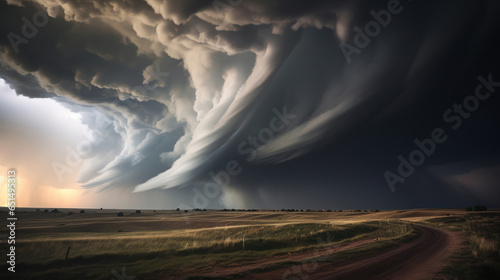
(420, 259)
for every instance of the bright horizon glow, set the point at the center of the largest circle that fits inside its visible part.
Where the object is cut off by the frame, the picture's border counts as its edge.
(37, 182)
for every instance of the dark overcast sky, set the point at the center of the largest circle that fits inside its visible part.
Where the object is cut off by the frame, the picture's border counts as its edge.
(269, 104)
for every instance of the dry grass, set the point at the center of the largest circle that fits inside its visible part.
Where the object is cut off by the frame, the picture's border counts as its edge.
(257, 238)
(480, 256)
(100, 241)
(484, 248)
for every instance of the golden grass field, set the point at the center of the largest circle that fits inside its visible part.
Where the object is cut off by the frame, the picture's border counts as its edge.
(180, 245)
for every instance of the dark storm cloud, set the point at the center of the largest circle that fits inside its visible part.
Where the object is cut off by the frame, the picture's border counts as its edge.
(177, 86)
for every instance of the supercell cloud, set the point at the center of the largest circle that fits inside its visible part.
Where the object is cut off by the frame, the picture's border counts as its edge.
(174, 91)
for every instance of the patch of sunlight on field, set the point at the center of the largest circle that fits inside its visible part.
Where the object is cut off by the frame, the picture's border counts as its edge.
(163, 240)
(213, 241)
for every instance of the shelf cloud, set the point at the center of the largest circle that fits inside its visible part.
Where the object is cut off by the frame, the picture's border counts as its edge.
(171, 89)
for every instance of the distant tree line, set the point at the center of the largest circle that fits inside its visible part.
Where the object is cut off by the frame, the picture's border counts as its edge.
(282, 210)
(476, 208)
(57, 211)
(120, 214)
(241, 210)
(323, 210)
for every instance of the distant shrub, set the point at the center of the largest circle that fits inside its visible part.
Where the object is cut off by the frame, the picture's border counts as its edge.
(204, 209)
(138, 211)
(340, 211)
(82, 211)
(37, 210)
(178, 209)
(45, 211)
(70, 213)
(55, 211)
(186, 210)
(468, 208)
(120, 214)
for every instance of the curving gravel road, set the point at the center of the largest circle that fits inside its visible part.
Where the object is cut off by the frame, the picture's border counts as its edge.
(420, 259)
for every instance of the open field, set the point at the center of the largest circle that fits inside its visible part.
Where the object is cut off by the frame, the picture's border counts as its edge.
(237, 244)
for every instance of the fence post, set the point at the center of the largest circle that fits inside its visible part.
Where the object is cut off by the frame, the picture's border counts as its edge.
(67, 254)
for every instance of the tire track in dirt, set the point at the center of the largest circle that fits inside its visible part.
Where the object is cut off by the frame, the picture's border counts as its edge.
(420, 259)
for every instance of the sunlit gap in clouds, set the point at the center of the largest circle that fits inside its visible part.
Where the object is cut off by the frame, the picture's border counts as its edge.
(34, 132)
(39, 134)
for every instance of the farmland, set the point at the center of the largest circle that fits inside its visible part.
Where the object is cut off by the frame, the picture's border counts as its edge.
(221, 244)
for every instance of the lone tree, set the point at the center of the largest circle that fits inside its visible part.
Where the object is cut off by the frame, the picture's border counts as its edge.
(120, 214)
(138, 211)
